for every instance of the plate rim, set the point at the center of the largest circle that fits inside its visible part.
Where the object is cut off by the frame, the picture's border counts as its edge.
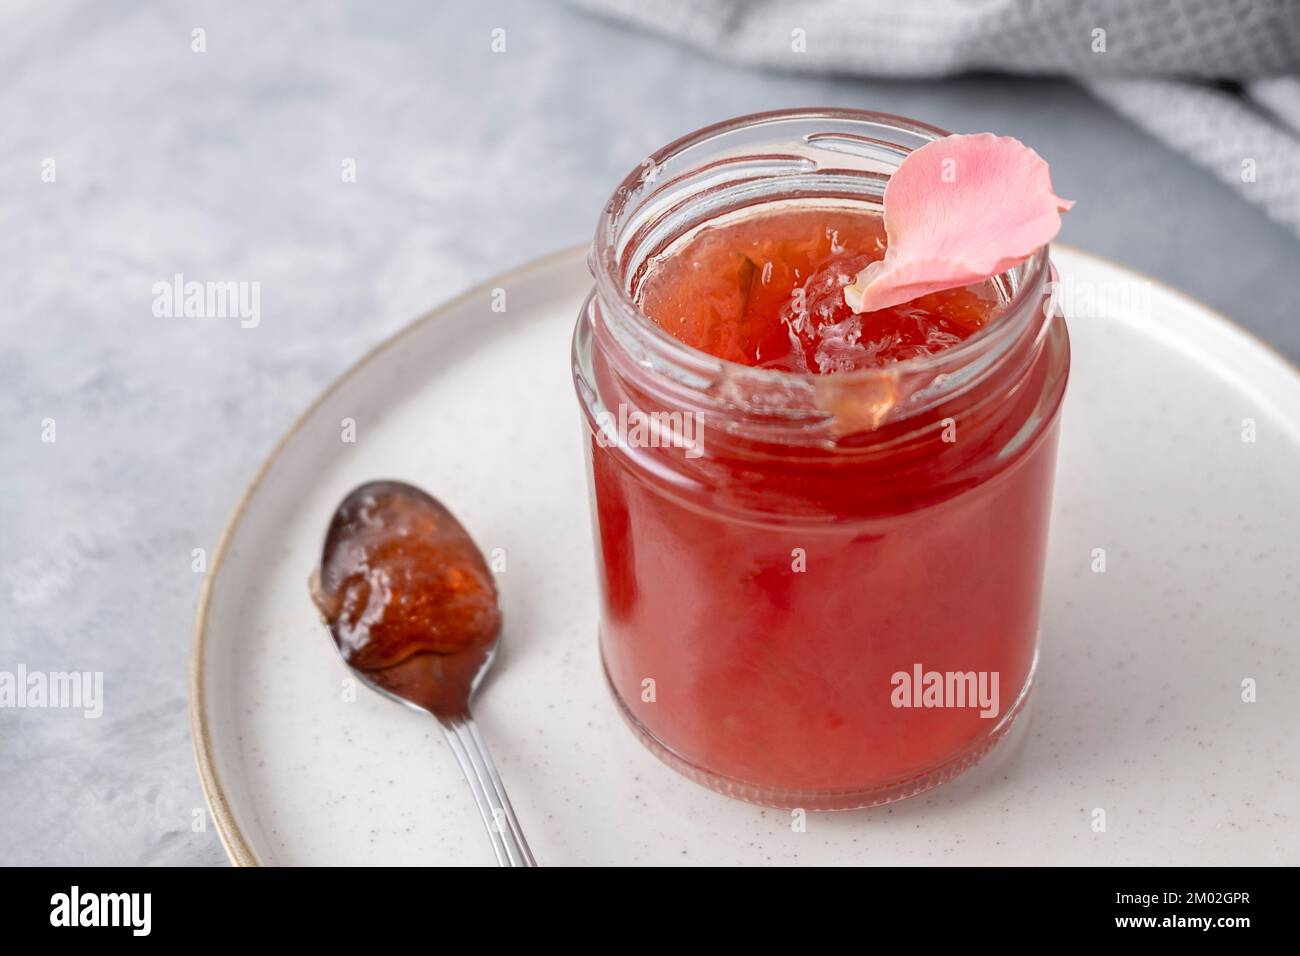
(234, 842)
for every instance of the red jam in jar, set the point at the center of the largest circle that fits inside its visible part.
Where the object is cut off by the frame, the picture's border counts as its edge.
(768, 290)
(820, 535)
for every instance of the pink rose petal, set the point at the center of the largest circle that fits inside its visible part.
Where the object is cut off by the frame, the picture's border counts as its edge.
(959, 210)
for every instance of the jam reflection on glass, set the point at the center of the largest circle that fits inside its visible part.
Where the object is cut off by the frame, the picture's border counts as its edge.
(407, 595)
(771, 592)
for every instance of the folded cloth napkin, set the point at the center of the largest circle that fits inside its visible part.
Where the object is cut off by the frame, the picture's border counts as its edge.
(1214, 79)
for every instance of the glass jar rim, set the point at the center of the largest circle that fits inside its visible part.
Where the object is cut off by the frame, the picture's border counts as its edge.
(613, 293)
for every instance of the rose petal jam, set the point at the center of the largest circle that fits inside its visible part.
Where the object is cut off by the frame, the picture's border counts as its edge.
(820, 535)
(768, 291)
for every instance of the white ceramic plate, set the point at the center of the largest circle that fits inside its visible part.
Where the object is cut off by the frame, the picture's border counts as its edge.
(1138, 711)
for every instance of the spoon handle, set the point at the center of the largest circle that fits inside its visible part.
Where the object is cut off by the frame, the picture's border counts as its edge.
(489, 793)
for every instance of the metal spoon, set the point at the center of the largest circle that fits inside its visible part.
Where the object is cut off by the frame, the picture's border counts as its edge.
(413, 609)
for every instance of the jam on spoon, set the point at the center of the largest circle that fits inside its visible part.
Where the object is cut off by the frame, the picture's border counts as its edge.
(412, 606)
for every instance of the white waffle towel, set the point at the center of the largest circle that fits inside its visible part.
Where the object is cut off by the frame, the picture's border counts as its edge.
(1214, 79)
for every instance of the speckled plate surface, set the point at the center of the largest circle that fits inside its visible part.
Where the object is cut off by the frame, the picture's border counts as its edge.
(1139, 710)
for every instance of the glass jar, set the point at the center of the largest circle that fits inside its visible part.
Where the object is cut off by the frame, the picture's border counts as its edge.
(816, 591)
